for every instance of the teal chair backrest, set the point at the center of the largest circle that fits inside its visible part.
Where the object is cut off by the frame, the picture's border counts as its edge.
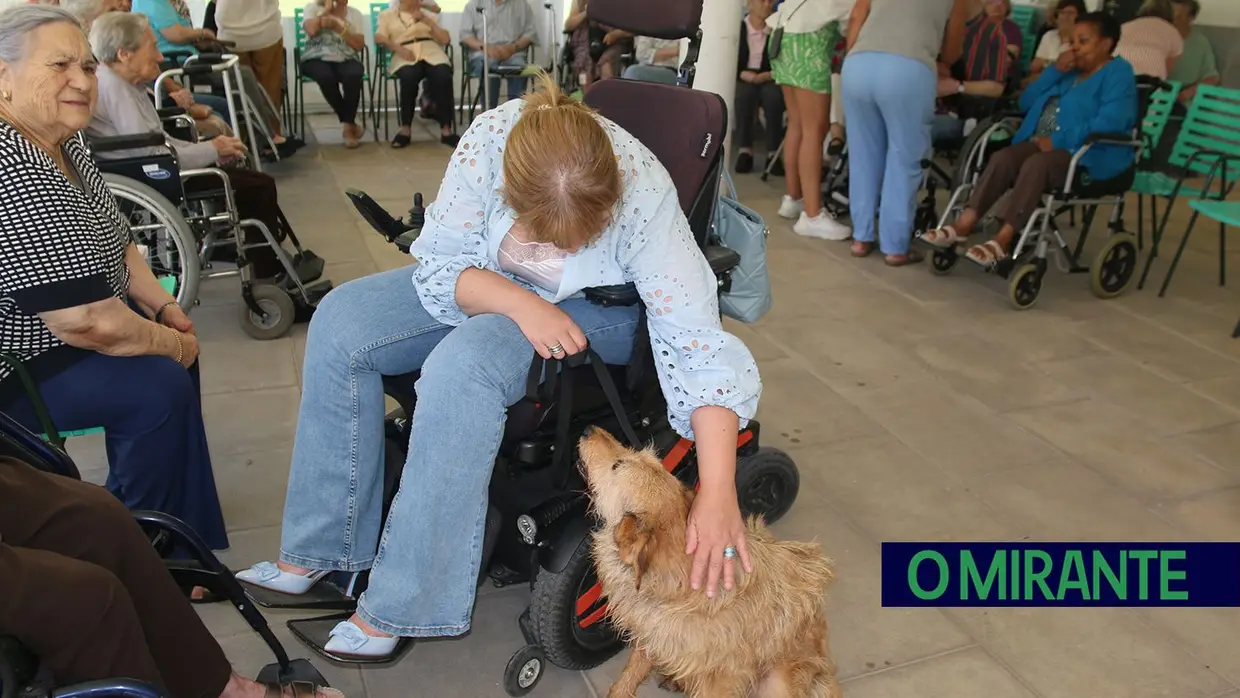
(1158, 114)
(1212, 125)
(299, 28)
(381, 53)
(1026, 17)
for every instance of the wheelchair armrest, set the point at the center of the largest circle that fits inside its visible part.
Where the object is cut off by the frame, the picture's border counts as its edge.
(170, 112)
(1113, 139)
(721, 259)
(106, 144)
(619, 294)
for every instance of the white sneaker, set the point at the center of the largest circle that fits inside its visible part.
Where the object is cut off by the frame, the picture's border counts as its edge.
(790, 208)
(821, 226)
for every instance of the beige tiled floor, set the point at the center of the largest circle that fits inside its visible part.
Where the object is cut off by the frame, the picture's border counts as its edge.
(916, 407)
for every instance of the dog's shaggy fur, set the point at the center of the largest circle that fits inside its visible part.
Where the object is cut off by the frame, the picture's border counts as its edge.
(767, 637)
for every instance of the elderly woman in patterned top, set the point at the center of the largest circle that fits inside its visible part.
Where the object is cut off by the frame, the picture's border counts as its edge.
(542, 199)
(79, 307)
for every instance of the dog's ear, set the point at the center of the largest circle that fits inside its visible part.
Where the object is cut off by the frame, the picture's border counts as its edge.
(635, 542)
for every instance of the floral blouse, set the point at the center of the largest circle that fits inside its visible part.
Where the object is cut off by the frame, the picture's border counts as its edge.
(649, 243)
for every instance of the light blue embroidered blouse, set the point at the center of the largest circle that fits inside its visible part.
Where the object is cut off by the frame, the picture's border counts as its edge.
(649, 243)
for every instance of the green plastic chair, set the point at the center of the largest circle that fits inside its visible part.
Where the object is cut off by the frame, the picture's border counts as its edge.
(1208, 146)
(299, 95)
(1157, 117)
(52, 435)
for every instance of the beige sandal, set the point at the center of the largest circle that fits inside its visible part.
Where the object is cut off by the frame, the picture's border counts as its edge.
(942, 238)
(987, 254)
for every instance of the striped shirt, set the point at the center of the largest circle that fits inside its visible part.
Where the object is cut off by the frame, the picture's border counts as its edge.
(1148, 43)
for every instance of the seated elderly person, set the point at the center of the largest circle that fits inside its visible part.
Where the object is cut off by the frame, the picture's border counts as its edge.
(755, 86)
(176, 35)
(500, 267)
(1059, 39)
(657, 60)
(335, 37)
(1087, 91)
(614, 43)
(992, 45)
(125, 44)
(105, 344)
(511, 29)
(85, 591)
(1197, 64)
(411, 31)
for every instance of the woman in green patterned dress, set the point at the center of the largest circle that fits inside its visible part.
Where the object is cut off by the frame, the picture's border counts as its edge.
(806, 32)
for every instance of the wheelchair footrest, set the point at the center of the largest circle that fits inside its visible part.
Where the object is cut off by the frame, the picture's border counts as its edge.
(328, 595)
(315, 633)
(308, 266)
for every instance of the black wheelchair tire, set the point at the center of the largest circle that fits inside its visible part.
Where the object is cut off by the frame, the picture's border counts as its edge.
(168, 214)
(767, 483)
(961, 170)
(553, 614)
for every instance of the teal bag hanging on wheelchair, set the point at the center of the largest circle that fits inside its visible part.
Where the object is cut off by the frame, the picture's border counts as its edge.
(742, 230)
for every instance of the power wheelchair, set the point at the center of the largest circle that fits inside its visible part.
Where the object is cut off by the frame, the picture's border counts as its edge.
(538, 524)
(20, 673)
(1025, 267)
(184, 229)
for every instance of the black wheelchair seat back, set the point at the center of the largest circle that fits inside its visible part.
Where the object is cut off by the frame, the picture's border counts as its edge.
(159, 171)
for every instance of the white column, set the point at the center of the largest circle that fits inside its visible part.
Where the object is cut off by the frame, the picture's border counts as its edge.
(716, 64)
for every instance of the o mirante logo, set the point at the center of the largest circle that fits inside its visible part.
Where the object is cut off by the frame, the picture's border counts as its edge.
(1061, 574)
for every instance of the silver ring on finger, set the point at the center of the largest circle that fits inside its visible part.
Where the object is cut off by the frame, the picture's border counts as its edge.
(555, 349)
(729, 552)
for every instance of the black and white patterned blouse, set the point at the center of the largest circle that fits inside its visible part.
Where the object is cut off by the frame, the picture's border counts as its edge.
(60, 246)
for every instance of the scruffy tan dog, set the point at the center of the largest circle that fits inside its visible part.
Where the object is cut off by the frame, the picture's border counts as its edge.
(767, 637)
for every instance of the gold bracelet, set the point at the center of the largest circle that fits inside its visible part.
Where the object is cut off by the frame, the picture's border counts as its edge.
(180, 345)
(159, 313)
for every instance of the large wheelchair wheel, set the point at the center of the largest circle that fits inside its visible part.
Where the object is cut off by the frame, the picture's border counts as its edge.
(767, 484)
(569, 615)
(157, 223)
(997, 140)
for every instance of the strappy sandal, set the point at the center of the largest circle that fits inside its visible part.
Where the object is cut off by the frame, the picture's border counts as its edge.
(987, 254)
(401, 140)
(942, 238)
(301, 689)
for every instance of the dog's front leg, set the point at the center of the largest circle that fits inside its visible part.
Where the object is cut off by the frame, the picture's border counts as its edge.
(635, 672)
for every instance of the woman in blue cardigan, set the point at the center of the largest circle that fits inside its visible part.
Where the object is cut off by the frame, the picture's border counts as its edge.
(1087, 91)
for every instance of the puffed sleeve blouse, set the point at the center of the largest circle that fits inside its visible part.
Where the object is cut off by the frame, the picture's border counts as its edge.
(648, 243)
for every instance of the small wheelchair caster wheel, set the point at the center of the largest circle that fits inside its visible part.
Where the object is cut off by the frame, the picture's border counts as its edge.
(943, 261)
(1114, 266)
(279, 313)
(524, 670)
(1025, 286)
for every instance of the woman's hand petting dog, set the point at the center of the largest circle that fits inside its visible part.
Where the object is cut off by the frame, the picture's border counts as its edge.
(715, 523)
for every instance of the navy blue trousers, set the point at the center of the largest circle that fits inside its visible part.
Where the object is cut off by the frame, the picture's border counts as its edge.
(151, 410)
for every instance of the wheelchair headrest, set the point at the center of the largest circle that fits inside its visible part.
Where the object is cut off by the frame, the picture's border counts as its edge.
(661, 19)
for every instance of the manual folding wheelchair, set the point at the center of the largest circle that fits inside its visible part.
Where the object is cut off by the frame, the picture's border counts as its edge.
(538, 522)
(182, 229)
(1025, 267)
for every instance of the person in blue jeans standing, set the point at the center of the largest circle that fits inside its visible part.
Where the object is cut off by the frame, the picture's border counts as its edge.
(889, 83)
(510, 30)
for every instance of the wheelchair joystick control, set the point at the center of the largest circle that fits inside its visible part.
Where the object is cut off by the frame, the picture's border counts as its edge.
(417, 214)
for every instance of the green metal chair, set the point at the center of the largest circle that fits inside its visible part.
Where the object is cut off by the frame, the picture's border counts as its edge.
(1208, 146)
(52, 435)
(1162, 105)
(299, 80)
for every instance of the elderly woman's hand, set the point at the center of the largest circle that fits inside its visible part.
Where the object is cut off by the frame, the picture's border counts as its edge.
(228, 147)
(1067, 61)
(183, 98)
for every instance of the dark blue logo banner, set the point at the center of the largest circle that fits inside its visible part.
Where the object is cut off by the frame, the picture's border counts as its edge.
(1061, 574)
